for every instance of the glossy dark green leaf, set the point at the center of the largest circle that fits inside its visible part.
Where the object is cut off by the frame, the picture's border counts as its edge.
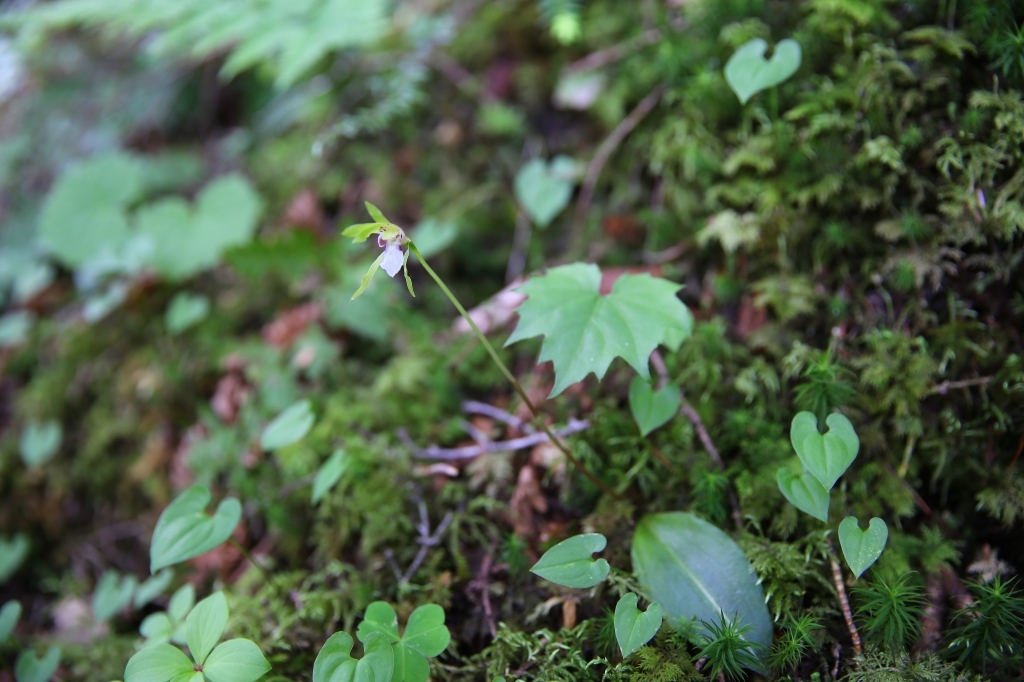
(695, 571)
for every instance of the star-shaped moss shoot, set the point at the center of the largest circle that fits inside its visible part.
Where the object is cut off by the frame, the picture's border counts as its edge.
(391, 238)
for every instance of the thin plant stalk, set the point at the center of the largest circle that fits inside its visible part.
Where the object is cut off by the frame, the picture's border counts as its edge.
(251, 559)
(844, 601)
(508, 375)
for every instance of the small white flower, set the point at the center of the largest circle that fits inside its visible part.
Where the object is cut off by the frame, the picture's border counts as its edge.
(393, 258)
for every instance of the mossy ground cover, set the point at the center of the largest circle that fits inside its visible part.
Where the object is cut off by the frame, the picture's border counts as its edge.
(848, 240)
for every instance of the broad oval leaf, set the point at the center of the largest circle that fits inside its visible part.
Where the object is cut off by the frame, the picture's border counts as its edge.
(652, 409)
(828, 456)
(289, 427)
(634, 628)
(112, 594)
(804, 492)
(570, 562)
(329, 474)
(9, 615)
(236, 660)
(157, 663)
(184, 530)
(205, 625)
(40, 442)
(584, 331)
(31, 668)
(861, 548)
(695, 571)
(12, 554)
(156, 628)
(748, 72)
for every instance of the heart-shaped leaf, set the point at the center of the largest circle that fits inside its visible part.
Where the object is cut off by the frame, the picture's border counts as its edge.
(30, 668)
(14, 328)
(748, 72)
(184, 530)
(804, 493)
(12, 554)
(425, 635)
(188, 239)
(205, 626)
(544, 189)
(289, 427)
(40, 442)
(826, 456)
(334, 663)
(9, 615)
(651, 408)
(570, 562)
(585, 330)
(158, 663)
(170, 626)
(861, 548)
(697, 572)
(185, 311)
(329, 474)
(634, 628)
(236, 660)
(113, 592)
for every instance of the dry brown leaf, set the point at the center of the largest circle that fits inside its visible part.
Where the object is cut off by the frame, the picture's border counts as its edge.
(291, 324)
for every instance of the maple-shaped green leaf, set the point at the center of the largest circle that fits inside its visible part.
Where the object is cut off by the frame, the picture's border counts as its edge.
(584, 331)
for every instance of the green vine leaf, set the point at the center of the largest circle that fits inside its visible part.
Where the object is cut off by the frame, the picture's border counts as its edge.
(584, 331)
(12, 554)
(570, 562)
(748, 72)
(861, 548)
(652, 409)
(112, 594)
(804, 492)
(328, 475)
(634, 628)
(334, 663)
(828, 456)
(544, 189)
(184, 530)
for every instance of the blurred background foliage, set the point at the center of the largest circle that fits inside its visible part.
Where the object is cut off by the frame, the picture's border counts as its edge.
(172, 179)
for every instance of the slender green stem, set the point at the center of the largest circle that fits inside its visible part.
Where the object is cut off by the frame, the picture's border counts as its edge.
(508, 375)
(251, 559)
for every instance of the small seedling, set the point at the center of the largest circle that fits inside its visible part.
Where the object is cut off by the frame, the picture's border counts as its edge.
(169, 626)
(570, 563)
(184, 530)
(236, 660)
(425, 636)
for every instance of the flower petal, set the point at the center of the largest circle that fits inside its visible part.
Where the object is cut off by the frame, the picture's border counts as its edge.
(393, 259)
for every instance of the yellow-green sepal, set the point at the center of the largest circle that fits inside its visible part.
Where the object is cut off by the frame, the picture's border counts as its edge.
(362, 231)
(376, 213)
(405, 270)
(368, 276)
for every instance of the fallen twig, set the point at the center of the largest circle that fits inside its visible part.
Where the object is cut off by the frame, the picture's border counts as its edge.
(946, 386)
(474, 407)
(426, 540)
(470, 451)
(844, 601)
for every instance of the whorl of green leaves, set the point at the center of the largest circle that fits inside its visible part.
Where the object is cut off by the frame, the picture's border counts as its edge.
(726, 650)
(990, 631)
(890, 612)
